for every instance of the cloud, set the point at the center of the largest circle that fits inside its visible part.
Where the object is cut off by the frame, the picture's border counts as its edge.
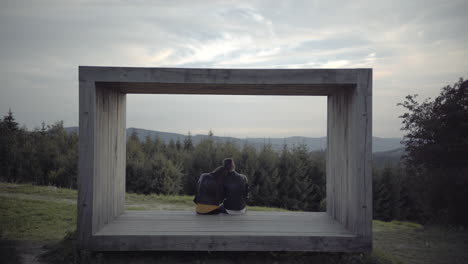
(413, 47)
(336, 64)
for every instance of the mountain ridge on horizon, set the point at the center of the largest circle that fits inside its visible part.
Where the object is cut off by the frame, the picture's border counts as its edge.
(379, 144)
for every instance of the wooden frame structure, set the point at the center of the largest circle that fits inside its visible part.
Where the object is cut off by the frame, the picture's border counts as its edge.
(104, 225)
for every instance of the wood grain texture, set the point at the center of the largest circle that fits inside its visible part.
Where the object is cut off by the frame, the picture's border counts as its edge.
(110, 140)
(255, 231)
(364, 222)
(143, 222)
(219, 76)
(349, 154)
(86, 161)
(196, 242)
(228, 89)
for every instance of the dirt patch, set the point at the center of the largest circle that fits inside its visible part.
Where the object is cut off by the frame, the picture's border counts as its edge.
(24, 252)
(30, 251)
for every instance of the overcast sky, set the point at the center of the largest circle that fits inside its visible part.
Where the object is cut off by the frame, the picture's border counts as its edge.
(414, 47)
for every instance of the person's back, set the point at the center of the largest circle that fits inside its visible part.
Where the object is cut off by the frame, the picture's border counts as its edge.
(235, 190)
(209, 192)
(235, 193)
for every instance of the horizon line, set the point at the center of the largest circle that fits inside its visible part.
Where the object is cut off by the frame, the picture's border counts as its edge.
(238, 137)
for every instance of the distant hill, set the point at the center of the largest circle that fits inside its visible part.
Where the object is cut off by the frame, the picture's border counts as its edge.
(313, 143)
(389, 158)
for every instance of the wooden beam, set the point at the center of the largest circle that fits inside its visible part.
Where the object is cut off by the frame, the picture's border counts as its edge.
(228, 89)
(219, 76)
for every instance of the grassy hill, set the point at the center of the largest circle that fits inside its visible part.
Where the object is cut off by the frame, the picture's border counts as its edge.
(33, 219)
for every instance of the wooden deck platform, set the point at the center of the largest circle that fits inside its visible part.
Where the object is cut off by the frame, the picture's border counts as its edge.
(254, 231)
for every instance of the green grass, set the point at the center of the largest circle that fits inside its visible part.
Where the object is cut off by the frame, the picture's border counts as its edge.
(172, 202)
(133, 201)
(24, 219)
(39, 213)
(29, 189)
(414, 243)
(158, 202)
(140, 198)
(397, 224)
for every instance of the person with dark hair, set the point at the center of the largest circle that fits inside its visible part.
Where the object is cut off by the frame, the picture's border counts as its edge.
(235, 190)
(210, 192)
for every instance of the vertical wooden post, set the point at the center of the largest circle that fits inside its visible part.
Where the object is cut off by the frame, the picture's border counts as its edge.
(109, 181)
(101, 184)
(349, 156)
(86, 163)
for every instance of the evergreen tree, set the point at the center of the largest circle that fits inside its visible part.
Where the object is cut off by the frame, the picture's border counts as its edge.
(161, 176)
(265, 178)
(188, 143)
(229, 150)
(135, 164)
(318, 188)
(303, 186)
(9, 148)
(178, 144)
(64, 153)
(385, 201)
(409, 209)
(286, 181)
(173, 153)
(9, 122)
(172, 144)
(203, 160)
(375, 183)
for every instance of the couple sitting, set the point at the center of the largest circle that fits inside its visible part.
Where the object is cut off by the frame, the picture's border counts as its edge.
(222, 191)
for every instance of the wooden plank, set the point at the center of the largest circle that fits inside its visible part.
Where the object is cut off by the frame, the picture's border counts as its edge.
(229, 89)
(86, 161)
(200, 222)
(219, 76)
(330, 181)
(340, 173)
(249, 213)
(349, 157)
(121, 154)
(143, 228)
(109, 181)
(136, 222)
(256, 232)
(223, 218)
(364, 181)
(197, 242)
(209, 232)
(353, 124)
(337, 156)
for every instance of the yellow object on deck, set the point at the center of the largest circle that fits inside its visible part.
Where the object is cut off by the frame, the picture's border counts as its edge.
(205, 208)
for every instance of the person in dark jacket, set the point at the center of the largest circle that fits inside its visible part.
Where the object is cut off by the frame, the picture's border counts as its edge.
(210, 191)
(235, 190)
